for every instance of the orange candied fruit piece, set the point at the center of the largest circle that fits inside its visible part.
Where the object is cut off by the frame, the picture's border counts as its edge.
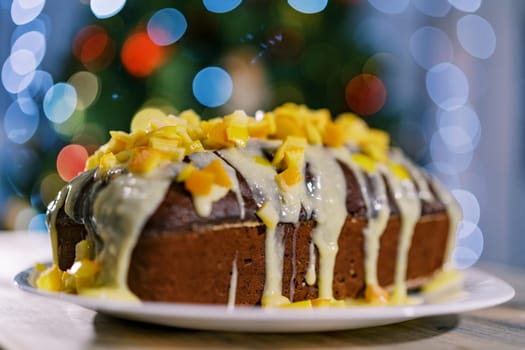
(221, 177)
(145, 160)
(291, 176)
(334, 135)
(199, 182)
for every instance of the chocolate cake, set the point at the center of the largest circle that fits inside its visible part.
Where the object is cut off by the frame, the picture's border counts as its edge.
(286, 207)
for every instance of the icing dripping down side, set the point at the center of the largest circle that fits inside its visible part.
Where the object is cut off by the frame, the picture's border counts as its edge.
(409, 206)
(233, 284)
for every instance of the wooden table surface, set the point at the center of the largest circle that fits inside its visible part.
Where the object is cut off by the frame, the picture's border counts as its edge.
(33, 322)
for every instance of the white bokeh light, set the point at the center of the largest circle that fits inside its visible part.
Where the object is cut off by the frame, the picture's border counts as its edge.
(106, 8)
(476, 36)
(466, 5)
(24, 11)
(447, 86)
(469, 205)
(430, 46)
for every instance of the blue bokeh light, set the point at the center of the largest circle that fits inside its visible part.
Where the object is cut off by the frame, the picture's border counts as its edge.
(433, 8)
(60, 102)
(476, 36)
(38, 223)
(38, 87)
(21, 121)
(465, 118)
(221, 6)
(40, 25)
(389, 6)
(469, 246)
(12, 81)
(430, 46)
(469, 205)
(212, 86)
(308, 6)
(106, 8)
(24, 11)
(23, 62)
(466, 5)
(34, 42)
(447, 86)
(166, 26)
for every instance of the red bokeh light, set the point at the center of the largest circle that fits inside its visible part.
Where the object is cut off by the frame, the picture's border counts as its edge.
(94, 48)
(71, 161)
(140, 55)
(365, 94)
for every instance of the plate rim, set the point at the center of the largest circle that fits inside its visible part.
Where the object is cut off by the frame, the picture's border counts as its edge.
(165, 313)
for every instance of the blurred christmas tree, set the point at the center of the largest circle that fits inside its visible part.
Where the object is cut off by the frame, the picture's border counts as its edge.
(164, 56)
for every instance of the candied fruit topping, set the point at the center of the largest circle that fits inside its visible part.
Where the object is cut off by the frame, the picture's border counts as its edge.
(157, 138)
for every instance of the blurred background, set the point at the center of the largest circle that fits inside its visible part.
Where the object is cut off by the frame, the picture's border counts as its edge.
(444, 77)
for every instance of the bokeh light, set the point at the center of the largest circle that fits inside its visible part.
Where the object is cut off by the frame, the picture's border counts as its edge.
(87, 87)
(49, 187)
(212, 86)
(447, 86)
(23, 62)
(365, 94)
(466, 5)
(34, 42)
(140, 55)
(141, 119)
(476, 36)
(39, 85)
(390, 6)
(11, 80)
(433, 8)
(446, 160)
(469, 205)
(430, 46)
(308, 6)
(456, 139)
(20, 168)
(221, 6)
(94, 48)
(71, 161)
(465, 118)
(24, 11)
(21, 123)
(37, 223)
(106, 8)
(469, 246)
(60, 102)
(166, 26)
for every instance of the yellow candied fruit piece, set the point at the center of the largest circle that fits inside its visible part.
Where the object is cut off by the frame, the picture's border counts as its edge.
(237, 118)
(294, 157)
(164, 144)
(185, 172)
(50, 279)
(39, 267)
(199, 182)
(221, 177)
(94, 160)
(399, 171)
(286, 127)
(321, 302)
(303, 304)
(354, 127)
(376, 295)
(334, 135)
(69, 283)
(313, 134)
(108, 161)
(194, 146)
(259, 129)
(85, 272)
(83, 250)
(289, 143)
(374, 151)
(268, 215)
(115, 145)
(191, 117)
(124, 156)
(217, 134)
(378, 138)
(237, 134)
(145, 160)
(270, 119)
(364, 162)
(289, 177)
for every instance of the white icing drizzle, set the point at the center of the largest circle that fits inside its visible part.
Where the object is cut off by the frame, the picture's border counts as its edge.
(311, 276)
(204, 204)
(201, 159)
(120, 211)
(233, 284)
(328, 200)
(415, 173)
(294, 261)
(454, 217)
(378, 212)
(274, 255)
(409, 206)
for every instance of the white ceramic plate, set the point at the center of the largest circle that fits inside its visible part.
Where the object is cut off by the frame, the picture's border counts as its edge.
(481, 290)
